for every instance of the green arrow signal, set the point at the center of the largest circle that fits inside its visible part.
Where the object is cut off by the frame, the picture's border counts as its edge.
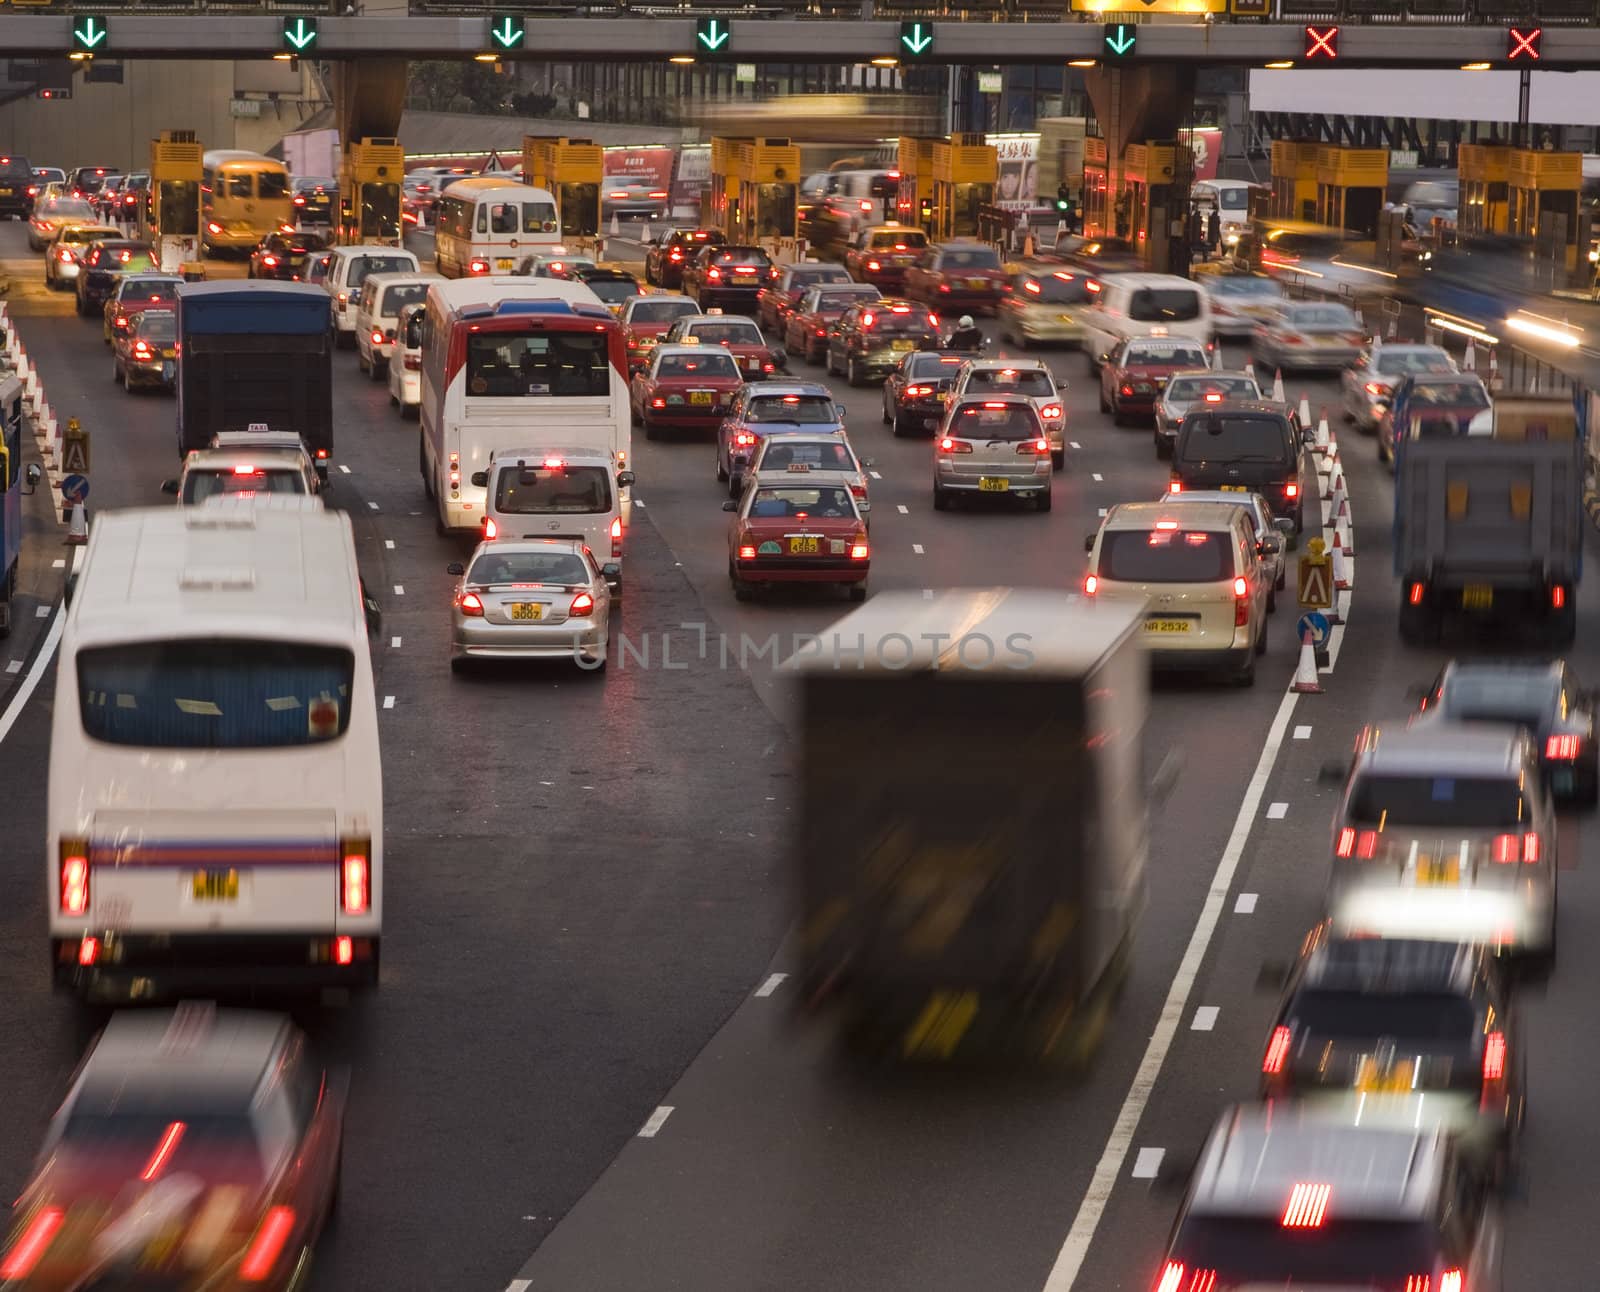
(1121, 38)
(507, 34)
(711, 38)
(914, 39)
(90, 34)
(301, 34)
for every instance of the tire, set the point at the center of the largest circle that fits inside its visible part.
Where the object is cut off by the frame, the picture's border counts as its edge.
(1059, 460)
(1105, 404)
(742, 591)
(594, 664)
(1272, 599)
(422, 465)
(827, 362)
(888, 417)
(116, 373)
(1247, 675)
(735, 485)
(458, 664)
(852, 375)
(1043, 501)
(649, 429)
(1163, 448)
(361, 362)
(722, 472)
(941, 500)
(857, 592)
(1283, 579)
(1261, 637)
(899, 427)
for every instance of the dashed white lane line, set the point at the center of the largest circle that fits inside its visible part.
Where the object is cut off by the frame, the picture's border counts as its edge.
(547, 782)
(1277, 811)
(41, 612)
(917, 548)
(519, 1285)
(902, 509)
(15, 666)
(1096, 476)
(394, 643)
(1148, 1164)
(875, 475)
(1302, 733)
(60, 563)
(373, 505)
(658, 1119)
(1246, 905)
(1075, 444)
(638, 502)
(1205, 1018)
(389, 543)
(927, 594)
(771, 985)
(399, 589)
(1102, 512)
(344, 468)
(388, 702)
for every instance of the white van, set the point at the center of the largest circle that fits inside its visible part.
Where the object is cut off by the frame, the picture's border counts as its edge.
(1230, 199)
(348, 269)
(382, 298)
(558, 491)
(405, 377)
(858, 199)
(1129, 305)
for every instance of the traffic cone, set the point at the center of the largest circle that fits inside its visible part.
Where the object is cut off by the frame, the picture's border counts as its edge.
(1277, 387)
(1249, 370)
(1342, 533)
(1494, 371)
(1305, 409)
(1322, 432)
(1469, 360)
(616, 227)
(644, 233)
(1305, 674)
(79, 531)
(1335, 480)
(1341, 573)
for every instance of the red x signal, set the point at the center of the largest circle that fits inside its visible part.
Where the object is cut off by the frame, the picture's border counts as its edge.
(1523, 44)
(1322, 42)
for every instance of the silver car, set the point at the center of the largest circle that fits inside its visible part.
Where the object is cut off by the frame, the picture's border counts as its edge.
(992, 446)
(531, 598)
(1240, 301)
(1264, 524)
(1306, 336)
(1184, 390)
(1366, 388)
(52, 214)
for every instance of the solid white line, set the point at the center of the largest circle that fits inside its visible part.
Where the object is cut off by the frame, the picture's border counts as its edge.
(15, 666)
(1075, 1248)
(658, 1119)
(771, 984)
(388, 702)
(902, 509)
(1205, 1018)
(26, 687)
(1277, 811)
(394, 643)
(917, 548)
(1148, 1164)
(638, 502)
(399, 589)
(1246, 905)
(1302, 733)
(41, 612)
(1096, 475)
(389, 543)
(344, 468)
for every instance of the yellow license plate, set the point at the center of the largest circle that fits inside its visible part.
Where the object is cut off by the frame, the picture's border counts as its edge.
(1234, 489)
(902, 346)
(804, 546)
(991, 484)
(743, 280)
(977, 282)
(1370, 1080)
(169, 354)
(700, 397)
(1064, 318)
(505, 264)
(1477, 596)
(943, 398)
(527, 610)
(1445, 872)
(215, 885)
(1166, 625)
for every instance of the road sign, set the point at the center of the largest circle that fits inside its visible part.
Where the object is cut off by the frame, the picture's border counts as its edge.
(75, 448)
(75, 488)
(1522, 44)
(1316, 577)
(507, 31)
(1323, 43)
(1120, 39)
(916, 39)
(1315, 623)
(89, 32)
(299, 33)
(712, 36)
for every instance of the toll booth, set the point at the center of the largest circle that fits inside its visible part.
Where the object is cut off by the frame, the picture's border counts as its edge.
(1155, 199)
(768, 171)
(1351, 185)
(966, 171)
(725, 213)
(172, 222)
(1484, 171)
(369, 192)
(1542, 194)
(1294, 181)
(1096, 189)
(914, 205)
(572, 171)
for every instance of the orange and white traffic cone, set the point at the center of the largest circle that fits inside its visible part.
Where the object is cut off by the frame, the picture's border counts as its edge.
(1305, 409)
(79, 532)
(1342, 533)
(1305, 673)
(1341, 572)
(1323, 433)
(1335, 483)
(1277, 387)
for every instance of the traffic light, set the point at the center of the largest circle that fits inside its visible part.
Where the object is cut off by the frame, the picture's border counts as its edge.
(712, 37)
(1522, 44)
(1322, 42)
(507, 31)
(916, 39)
(89, 32)
(299, 33)
(1121, 39)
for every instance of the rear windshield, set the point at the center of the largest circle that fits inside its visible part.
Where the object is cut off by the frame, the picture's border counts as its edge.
(784, 502)
(1396, 363)
(740, 256)
(1453, 394)
(533, 490)
(1244, 285)
(841, 298)
(613, 291)
(89, 182)
(884, 186)
(704, 237)
(973, 258)
(1166, 556)
(1441, 802)
(738, 333)
(832, 456)
(912, 320)
(898, 240)
(1358, 1015)
(1501, 698)
(560, 364)
(1014, 381)
(413, 336)
(158, 326)
(396, 299)
(152, 293)
(1014, 422)
(802, 410)
(716, 363)
(1164, 304)
(565, 568)
(1328, 316)
(1168, 353)
(214, 693)
(363, 266)
(83, 234)
(1054, 289)
(201, 485)
(1363, 1253)
(810, 274)
(1189, 389)
(934, 367)
(66, 208)
(15, 168)
(661, 309)
(1225, 438)
(272, 183)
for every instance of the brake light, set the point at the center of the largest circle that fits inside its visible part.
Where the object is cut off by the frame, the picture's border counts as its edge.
(490, 528)
(344, 950)
(1494, 1056)
(950, 445)
(142, 351)
(164, 1151)
(1308, 1204)
(1241, 587)
(582, 605)
(1558, 597)
(269, 261)
(299, 201)
(1277, 1051)
(747, 552)
(675, 255)
(1291, 491)
(377, 336)
(244, 469)
(213, 227)
(41, 1230)
(356, 878)
(1241, 602)
(1050, 412)
(64, 256)
(1415, 595)
(478, 267)
(1508, 848)
(74, 855)
(88, 951)
(866, 206)
(913, 392)
(867, 320)
(1530, 848)
(1175, 487)
(1363, 845)
(1127, 389)
(713, 272)
(1034, 446)
(1375, 388)
(743, 439)
(1091, 585)
(1171, 1279)
(1450, 1281)
(1419, 1283)
(120, 321)
(267, 1245)
(1212, 397)
(1562, 747)
(616, 536)
(658, 402)
(469, 603)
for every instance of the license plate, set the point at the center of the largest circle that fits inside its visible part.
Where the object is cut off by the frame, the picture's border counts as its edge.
(527, 610)
(942, 397)
(505, 264)
(1477, 596)
(215, 885)
(5, 192)
(1445, 872)
(1234, 489)
(901, 347)
(1166, 625)
(1371, 1080)
(804, 546)
(742, 280)
(700, 397)
(977, 282)
(993, 484)
(1064, 318)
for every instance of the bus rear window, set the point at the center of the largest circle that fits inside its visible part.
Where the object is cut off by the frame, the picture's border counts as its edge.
(524, 491)
(559, 364)
(214, 693)
(272, 183)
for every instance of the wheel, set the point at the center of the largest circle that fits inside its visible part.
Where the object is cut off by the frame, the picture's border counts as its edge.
(458, 664)
(1261, 637)
(1042, 502)
(858, 592)
(1163, 448)
(742, 591)
(941, 500)
(1058, 459)
(593, 663)
(827, 362)
(852, 374)
(722, 471)
(377, 369)
(116, 373)
(888, 417)
(649, 429)
(735, 485)
(1247, 675)
(422, 464)
(393, 402)
(362, 363)
(1105, 404)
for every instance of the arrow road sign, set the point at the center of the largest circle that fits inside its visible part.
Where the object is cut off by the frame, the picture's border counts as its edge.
(916, 37)
(75, 488)
(1121, 38)
(507, 31)
(712, 34)
(299, 32)
(89, 33)
(1315, 623)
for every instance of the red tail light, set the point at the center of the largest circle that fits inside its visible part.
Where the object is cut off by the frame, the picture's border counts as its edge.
(213, 227)
(1450, 1281)
(1415, 595)
(949, 445)
(1127, 390)
(858, 549)
(478, 267)
(267, 1245)
(344, 950)
(873, 266)
(1172, 1279)
(164, 1151)
(1563, 747)
(1091, 585)
(747, 552)
(88, 951)
(1277, 1051)
(1530, 848)
(1033, 447)
(582, 605)
(1558, 597)
(912, 392)
(1307, 1205)
(377, 336)
(1291, 491)
(743, 439)
(120, 321)
(1494, 1056)
(713, 272)
(675, 255)
(866, 206)
(944, 287)
(1419, 1283)
(1241, 602)
(64, 256)
(470, 603)
(41, 1231)
(490, 528)
(1050, 412)
(616, 536)
(269, 261)
(142, 351)
(356, 878)
(1176, 486)
(658, 402)
(1363, 846)
(1508, 849)
(74, 877)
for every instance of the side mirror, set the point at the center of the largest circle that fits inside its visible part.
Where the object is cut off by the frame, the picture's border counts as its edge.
(170, 487)
(1284, 526)
(480, 479)
(624, 480)
(780, 356)
(455, 568)
(869, 463)
(612, 571)
(839, 411)
(1063, 384)
(32, 476)
(1308, 436)
(730, 505)
(1088, 543)
(1270, 545)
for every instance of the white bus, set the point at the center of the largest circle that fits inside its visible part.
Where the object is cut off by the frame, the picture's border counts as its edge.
(487, 226)
(510, 362)
(215, 801)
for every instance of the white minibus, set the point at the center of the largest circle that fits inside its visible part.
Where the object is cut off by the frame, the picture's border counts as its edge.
(488, 226)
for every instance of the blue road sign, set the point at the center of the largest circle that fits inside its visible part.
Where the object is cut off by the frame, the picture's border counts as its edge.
(1315, 623)
(75, 488)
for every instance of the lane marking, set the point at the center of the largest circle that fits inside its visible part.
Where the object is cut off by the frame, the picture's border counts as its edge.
(927, 594)
(771, 984)
(1246, 905)
(1069, 1261)
(388, 702)
(1277, 811)
(1148, 1164)
(394, 643)
(389, 543)
(1103, 511)
(1205, 1018)
(902, 509)
(658, 1119)
(547, 782)
(344, 468)
(373, 505)
(41, 612)
(1075, 444)
(399, 589)
(917, 548)
(638, 502)
(1302, 733)
(60, 563)
(25, 688)
(520, 1285)
(15, 666)
(874, 475)
(1096, 476)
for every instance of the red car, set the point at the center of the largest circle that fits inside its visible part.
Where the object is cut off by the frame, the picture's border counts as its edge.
(819, 309)
(196, 1148)
(645, 320)
(882, 254)
(665, 260)
(776, 303)
(1132, 379)
(685, 388)
(958, 276)
(797, 533)
(740, 337)
(134, 294)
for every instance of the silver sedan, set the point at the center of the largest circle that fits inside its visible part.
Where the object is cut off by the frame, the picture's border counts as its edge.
(529, 599)
(1186, 390)
(1309, 335)
(1379, 371)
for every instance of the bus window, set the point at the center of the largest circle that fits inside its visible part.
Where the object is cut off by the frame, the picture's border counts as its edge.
(239, 185)
(180, 206)
(483, 219)
(564, 364)
(272, 183)
(538, 217)
(503, 217)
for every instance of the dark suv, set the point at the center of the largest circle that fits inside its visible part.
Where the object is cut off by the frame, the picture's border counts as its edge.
(1247, 446)
(16, 178)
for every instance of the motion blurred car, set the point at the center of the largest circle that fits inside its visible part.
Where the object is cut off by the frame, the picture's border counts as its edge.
(87, 181)
(313, 198)
(383, 296)
(52, 214)
(613, 286)
(1305, 337)
(1362, 1193)
(1546, 698)
(145, 353)
(107, 200)
(958, 276)
(740, 337)
(882, 254)
(134, 294)
(1132, 379)
(1455, 398)
(1448, 832)
(991, 378)
(992, 446)
(797, 533)
(234, 469)
(1396, 1016)
(530, 598)
(829, 458)
(685, 388)
(915, 392)
(771, 407)
(63, 258)
(1246, 446)
(645, 320)
(103, 265)
(869, 339)
(818, 311)
(632, 196)
(553, 266)
(1044, 308)
(664, 261)
(133, 198)
(776, 303)
(1366, 387)
(1262, 524)
(405, 377)
(1184, 391)
(728, 277)
(195, 1148)
(1240, 301)
(280, 255)
(419, 195)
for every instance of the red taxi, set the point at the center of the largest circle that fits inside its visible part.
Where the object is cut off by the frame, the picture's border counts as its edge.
(739, 336)
(645, 320)
(958, 275)
(1132, 379)
(664, 261)
(819, 309)
(882, 254)
(136, 293)
(799, 532)
(685, 388)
